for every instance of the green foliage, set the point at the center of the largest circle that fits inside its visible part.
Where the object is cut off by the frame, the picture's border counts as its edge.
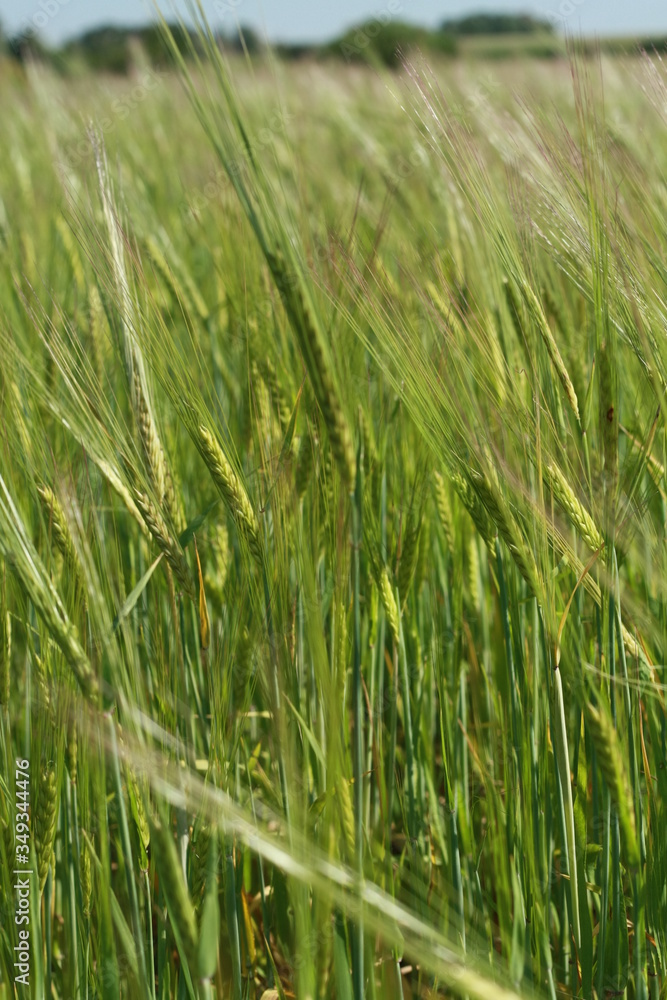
(332, 528)
(497, 24)
(111, 49)
(387, 42)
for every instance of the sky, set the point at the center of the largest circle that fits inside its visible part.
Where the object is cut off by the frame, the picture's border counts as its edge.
(318, 20)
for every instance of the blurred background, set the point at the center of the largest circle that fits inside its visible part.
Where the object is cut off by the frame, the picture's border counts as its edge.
(101, 33)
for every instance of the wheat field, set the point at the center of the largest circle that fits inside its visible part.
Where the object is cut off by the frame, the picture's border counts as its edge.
(333, 522)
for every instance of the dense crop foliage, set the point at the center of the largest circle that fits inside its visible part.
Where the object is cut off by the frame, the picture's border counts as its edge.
(332, 530)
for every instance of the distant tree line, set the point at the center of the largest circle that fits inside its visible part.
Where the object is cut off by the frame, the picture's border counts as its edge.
(382, 40)
(497, 24)
(112, 49)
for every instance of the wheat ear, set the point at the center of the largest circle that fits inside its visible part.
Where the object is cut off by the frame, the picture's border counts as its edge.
(217, 564)
(610, 758)
(574, 510)
(44, 823)
(33, 576)
(231, 490)
(148, 434)
(444, 509)
(389, 603)
(85, 878)
(172, 550)
(346, 814)
(60, 531)
(480, 517)
(509, 530)
(72, 751)
(313, 348)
